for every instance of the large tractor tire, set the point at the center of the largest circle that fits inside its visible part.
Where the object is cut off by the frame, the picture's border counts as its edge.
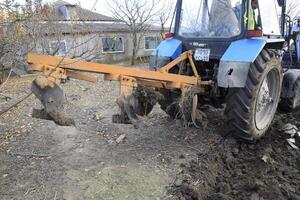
(250, 110)
(289, 104)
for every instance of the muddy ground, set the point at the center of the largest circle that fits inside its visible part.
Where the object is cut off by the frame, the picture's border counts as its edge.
(160, 160)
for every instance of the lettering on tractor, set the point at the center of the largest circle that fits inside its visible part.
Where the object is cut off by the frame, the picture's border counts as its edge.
(221, 52)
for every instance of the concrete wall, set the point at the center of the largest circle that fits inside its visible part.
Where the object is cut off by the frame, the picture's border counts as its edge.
(77, 44)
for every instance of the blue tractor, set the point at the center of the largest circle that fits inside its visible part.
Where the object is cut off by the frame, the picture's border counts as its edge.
(290, 97)
(249, 52)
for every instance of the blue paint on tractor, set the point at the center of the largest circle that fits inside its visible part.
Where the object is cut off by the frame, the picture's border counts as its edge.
(171, 48)
(235, 63)
(245, 50)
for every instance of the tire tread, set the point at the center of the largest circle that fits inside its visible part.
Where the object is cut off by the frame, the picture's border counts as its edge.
(240, 100)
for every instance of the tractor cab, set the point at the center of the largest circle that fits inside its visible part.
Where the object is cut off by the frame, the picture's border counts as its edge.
(226, 33)
(216, 24)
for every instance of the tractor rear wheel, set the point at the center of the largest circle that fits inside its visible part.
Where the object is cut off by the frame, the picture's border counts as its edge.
(250, 110)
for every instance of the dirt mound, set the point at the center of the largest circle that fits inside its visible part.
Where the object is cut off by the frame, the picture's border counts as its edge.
(268, 169)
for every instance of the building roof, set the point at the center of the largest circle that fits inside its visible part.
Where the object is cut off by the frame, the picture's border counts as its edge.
(66, 18)
(89, 27)
(64, 11)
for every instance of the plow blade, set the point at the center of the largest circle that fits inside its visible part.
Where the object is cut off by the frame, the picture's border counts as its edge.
(139, 103)
(52, 98)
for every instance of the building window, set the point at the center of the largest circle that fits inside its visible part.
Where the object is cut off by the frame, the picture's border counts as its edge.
(59, 48)
(112, 44)
(151, 42)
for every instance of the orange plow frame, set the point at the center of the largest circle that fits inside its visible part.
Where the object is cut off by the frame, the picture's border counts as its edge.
(57, 68)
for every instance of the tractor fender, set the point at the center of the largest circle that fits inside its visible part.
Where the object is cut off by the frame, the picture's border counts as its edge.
(235, 63)
(167, 50)
(289, 80)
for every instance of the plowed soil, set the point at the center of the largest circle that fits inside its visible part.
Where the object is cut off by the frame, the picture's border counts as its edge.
(161, 159)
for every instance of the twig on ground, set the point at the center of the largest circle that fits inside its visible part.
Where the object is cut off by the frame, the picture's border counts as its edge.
(31, 155)
(6, 97)
(55, 195)
(29, 190)
(15, 104)
(2, 85)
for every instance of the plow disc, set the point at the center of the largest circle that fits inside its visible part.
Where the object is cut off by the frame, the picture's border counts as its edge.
(52, 97)
(143, 99)
(188, 107)
(139, 103)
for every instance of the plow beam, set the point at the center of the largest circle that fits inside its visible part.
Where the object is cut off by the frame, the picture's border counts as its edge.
(113, 72)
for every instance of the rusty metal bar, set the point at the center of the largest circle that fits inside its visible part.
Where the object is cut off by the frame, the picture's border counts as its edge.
(113, 72)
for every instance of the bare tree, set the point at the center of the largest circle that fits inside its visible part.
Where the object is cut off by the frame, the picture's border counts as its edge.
(165, 15)
(33, 27)
(293, 8)
(16, 33)
(137, 15)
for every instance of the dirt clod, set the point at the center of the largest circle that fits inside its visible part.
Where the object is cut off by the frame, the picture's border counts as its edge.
(223, 188)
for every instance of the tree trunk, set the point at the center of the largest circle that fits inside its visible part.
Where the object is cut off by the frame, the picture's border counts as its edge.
(133, 56)
(134, 48)
(162, 30)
